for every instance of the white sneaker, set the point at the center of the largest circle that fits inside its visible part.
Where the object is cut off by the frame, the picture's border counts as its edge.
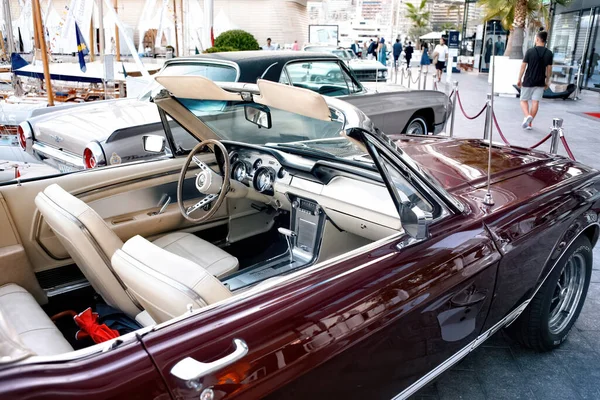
(528, 128)
(526, 121)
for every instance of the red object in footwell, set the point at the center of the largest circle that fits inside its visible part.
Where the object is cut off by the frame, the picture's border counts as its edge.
(88, 324)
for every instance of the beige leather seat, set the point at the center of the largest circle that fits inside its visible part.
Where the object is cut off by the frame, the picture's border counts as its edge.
(91, 243)
(25, 329)
(163, 282)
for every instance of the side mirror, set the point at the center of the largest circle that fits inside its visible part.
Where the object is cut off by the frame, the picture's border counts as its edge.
(154, 143)
(258, 116)
(307, 66)
(415, 221)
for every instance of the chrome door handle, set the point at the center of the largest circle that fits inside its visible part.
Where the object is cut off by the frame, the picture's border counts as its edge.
(189, 369)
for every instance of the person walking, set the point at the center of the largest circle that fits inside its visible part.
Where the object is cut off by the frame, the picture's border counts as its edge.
(382, 52)
(355, 47)
(537, 68)
(440, 54)
(371, 50)
(408, 52)
(397, 48)
(425, 60)
(295, 46)
(268, 46)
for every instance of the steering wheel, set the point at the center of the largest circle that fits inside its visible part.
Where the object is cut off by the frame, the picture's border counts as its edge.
(208, 182)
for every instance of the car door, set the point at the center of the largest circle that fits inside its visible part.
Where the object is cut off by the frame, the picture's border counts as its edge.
(364, 325)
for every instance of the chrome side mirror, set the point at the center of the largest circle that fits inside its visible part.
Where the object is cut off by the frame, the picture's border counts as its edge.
(258, 116)
(154, 143)
(415, 221)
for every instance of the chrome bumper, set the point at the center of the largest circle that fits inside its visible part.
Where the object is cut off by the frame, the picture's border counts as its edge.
(55, 156)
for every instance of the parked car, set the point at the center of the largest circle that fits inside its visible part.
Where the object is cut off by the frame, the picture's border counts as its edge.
(365, 70)
(104, 133)
(310, 256)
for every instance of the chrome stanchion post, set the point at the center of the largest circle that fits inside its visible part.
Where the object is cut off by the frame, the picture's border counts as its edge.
(453, 116)
(488, 117)
(556, 132)
(402, 76)
(425, 80)
(395, 73)
(419, 78)
(409, 77)
(577, 83)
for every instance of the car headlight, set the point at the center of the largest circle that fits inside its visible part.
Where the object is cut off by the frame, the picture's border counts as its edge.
(382, 73)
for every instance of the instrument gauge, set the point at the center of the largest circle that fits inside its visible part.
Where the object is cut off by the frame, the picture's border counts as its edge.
(257, 164)
(233, 157)
(263, 180)
(239, 171)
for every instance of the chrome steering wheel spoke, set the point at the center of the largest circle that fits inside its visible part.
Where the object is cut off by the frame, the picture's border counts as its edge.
(206, 200)
(199, 163)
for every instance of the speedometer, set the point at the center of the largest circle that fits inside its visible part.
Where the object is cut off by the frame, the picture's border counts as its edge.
(239, 171)
(263, 179)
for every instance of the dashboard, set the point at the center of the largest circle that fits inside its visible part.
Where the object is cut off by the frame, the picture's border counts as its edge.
(256, 169)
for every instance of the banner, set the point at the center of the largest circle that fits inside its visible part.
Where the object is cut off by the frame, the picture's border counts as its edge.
(80, 11)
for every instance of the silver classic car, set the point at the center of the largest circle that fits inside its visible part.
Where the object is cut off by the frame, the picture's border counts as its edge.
(107, 132)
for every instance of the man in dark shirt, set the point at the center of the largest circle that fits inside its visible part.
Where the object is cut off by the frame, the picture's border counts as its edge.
(408, 52)
(371, 50)
(537, 67)
(397, 51)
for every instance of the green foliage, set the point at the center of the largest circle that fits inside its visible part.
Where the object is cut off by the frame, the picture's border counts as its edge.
(420, 19)
(219, 49)
(504, 10)
(236, 39)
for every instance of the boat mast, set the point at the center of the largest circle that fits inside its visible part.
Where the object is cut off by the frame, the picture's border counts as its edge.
(175, 23)
(8, 26)
(37, 19)
(117, 43)
(101, 19)
(92, 47)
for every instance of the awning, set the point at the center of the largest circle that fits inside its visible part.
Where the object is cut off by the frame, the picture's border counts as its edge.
(432, 36)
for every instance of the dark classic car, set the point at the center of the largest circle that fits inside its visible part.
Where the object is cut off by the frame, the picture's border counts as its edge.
(106, 132)
(305, 255)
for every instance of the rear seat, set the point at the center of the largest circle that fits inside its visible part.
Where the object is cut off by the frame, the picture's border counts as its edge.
(34, 328)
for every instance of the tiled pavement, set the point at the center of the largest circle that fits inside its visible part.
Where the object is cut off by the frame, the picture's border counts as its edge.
(500, 368)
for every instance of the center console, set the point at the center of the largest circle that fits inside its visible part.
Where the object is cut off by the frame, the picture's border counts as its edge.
(304, 241)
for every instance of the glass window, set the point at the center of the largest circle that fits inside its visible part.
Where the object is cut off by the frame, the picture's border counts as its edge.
(324, 77)
(404, 189)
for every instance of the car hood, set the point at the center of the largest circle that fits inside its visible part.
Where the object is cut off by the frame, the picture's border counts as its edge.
(365, 64)
(72, 129)
(457, 164)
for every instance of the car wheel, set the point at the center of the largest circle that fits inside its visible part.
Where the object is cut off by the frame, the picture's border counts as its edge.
(546, 322)
(417, 126)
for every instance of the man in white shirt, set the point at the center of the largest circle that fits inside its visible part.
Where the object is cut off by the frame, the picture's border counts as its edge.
(268, 46)
(441, 51)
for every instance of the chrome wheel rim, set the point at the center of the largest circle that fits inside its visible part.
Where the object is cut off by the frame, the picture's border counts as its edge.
(567, 293)
(416, 128)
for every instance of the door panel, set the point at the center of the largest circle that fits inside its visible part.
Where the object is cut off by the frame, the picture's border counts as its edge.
(378, 320)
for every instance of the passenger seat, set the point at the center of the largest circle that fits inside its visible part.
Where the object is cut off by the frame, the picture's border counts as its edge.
(25, 329)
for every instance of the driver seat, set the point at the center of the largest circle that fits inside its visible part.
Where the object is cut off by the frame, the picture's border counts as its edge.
(91, 243)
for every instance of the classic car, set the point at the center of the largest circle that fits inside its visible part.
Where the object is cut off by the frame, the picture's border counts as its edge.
(105, 132)
(365, 70)
(304, 255)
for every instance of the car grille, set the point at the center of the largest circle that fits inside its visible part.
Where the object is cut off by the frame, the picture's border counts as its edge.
(365, 75)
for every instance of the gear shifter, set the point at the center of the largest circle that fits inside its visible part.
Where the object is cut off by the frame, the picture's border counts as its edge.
(289, 235)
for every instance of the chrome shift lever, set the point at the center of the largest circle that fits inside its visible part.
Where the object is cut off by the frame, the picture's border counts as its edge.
(289, 234)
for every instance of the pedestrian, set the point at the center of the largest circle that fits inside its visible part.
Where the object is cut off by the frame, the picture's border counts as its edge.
(355, 47)
(499, 46)
(408, 52)
(382, 52)
(365, 49)
(268, 46)
(537, 67)
(295, 46)
(397, 47)
(425, 61)
(371, 50)
(440, 54)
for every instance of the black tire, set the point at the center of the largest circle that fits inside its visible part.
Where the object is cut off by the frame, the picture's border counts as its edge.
(538, 327)
(417, 126)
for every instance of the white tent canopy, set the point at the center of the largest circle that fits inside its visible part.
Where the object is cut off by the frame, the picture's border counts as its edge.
(432, 36)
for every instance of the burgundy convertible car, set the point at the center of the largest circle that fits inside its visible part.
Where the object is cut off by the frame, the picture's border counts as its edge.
(304, 255)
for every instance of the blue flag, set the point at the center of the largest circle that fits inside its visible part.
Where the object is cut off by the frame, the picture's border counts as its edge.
(82, 49)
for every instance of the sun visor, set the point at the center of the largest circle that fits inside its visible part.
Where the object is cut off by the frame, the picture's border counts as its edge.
(196, 87)
(293, 99)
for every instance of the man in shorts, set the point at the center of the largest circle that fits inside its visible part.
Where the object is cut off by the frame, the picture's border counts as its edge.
(537, 67)
(441, 54)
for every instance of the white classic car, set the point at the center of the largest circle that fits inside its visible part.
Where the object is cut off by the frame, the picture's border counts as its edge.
(365, 70)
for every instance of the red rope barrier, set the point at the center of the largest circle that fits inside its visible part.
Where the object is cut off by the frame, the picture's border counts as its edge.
(463, 110)
(548, 136)
(500, 130)
(567, 148)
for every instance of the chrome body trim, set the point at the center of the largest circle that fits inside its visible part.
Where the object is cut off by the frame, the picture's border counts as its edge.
(97, 152)
(58, 155)
(67, 287)
(507, 320)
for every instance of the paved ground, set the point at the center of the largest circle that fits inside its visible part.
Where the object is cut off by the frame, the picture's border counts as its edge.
(501, 369)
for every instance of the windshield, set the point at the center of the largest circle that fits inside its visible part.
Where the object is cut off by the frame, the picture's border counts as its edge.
(228, 120)
(212, 71)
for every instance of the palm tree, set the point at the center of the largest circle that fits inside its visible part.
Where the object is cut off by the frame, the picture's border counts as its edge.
(459, 13)
(419, 17)
(513, 14)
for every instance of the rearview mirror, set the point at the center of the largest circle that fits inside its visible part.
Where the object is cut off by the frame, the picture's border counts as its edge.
(414, 220)
(154, 143)
(258, 116)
